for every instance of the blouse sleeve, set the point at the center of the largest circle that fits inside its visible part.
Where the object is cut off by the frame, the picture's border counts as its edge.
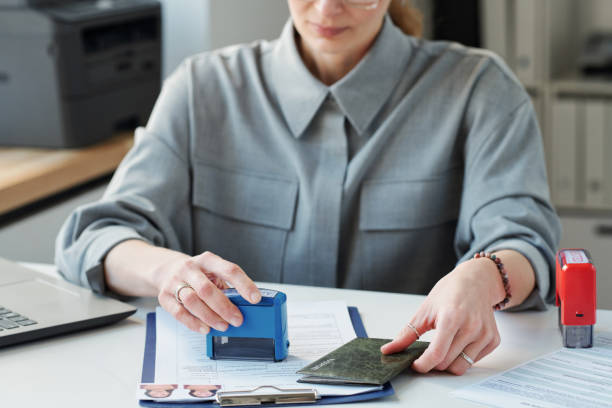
(506, 201)
(148, 197)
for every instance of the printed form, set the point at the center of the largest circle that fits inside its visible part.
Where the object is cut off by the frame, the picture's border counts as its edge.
(315, 328)
(571, 378)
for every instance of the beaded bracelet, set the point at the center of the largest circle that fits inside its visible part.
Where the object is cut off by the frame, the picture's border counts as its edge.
(504, 276)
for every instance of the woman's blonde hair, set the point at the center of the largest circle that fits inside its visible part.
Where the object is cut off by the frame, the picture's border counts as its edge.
(407, 17)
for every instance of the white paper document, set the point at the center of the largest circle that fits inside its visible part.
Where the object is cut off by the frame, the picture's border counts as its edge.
(315, 329)
(569, 378)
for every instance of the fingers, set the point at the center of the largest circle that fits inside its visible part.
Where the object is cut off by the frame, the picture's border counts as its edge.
(446, 329)
(485, 342)
(476, 338)
(199, 309)
(405, 338)
(461, 364)
(230, 272)
(204, 305)
(207, 301)
(471, 331)
(169, 303)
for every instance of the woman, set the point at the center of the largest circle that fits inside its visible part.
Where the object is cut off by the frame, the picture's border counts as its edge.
(346, 153)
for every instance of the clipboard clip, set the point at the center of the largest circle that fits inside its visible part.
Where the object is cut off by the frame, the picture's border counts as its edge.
(277, 396)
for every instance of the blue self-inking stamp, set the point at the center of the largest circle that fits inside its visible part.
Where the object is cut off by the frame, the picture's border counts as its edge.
(262, 335)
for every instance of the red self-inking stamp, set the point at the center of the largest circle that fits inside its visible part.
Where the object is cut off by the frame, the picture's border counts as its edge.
(576, 297)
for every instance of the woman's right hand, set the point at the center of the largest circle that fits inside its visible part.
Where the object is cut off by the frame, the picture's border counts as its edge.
(204, 305)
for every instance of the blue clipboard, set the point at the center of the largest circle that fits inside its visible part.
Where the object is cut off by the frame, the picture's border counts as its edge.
(148, 373)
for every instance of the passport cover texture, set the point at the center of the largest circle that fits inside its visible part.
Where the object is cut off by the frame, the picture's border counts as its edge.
(360, 362)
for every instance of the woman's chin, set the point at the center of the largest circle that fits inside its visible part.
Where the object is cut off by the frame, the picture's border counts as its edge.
(328, 45)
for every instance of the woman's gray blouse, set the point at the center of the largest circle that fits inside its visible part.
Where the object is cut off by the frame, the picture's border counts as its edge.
(425, 153)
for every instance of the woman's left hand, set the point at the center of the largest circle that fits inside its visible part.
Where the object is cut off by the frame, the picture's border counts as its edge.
(460, 308)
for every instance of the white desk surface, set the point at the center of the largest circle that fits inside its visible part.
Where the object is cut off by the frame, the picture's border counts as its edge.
(101, 367)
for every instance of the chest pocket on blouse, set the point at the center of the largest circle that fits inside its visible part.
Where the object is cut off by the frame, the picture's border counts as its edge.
(243, 217)
(407, 231)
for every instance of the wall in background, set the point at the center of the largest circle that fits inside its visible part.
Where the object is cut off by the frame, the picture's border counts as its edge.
(184, 31)
(194, 26)
(597, 14)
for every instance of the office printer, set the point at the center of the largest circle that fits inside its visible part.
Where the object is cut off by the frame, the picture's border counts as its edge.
(74, 72)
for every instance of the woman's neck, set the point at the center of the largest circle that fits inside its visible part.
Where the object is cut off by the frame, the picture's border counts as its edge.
(329, 67)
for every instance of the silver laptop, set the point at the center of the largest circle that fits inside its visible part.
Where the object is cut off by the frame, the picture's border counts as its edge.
(34, 305)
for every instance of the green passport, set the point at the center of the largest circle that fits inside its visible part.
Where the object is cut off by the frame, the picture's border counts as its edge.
(360, 362)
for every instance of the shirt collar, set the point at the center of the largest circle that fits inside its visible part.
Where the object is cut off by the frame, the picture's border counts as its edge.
(360, 94)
